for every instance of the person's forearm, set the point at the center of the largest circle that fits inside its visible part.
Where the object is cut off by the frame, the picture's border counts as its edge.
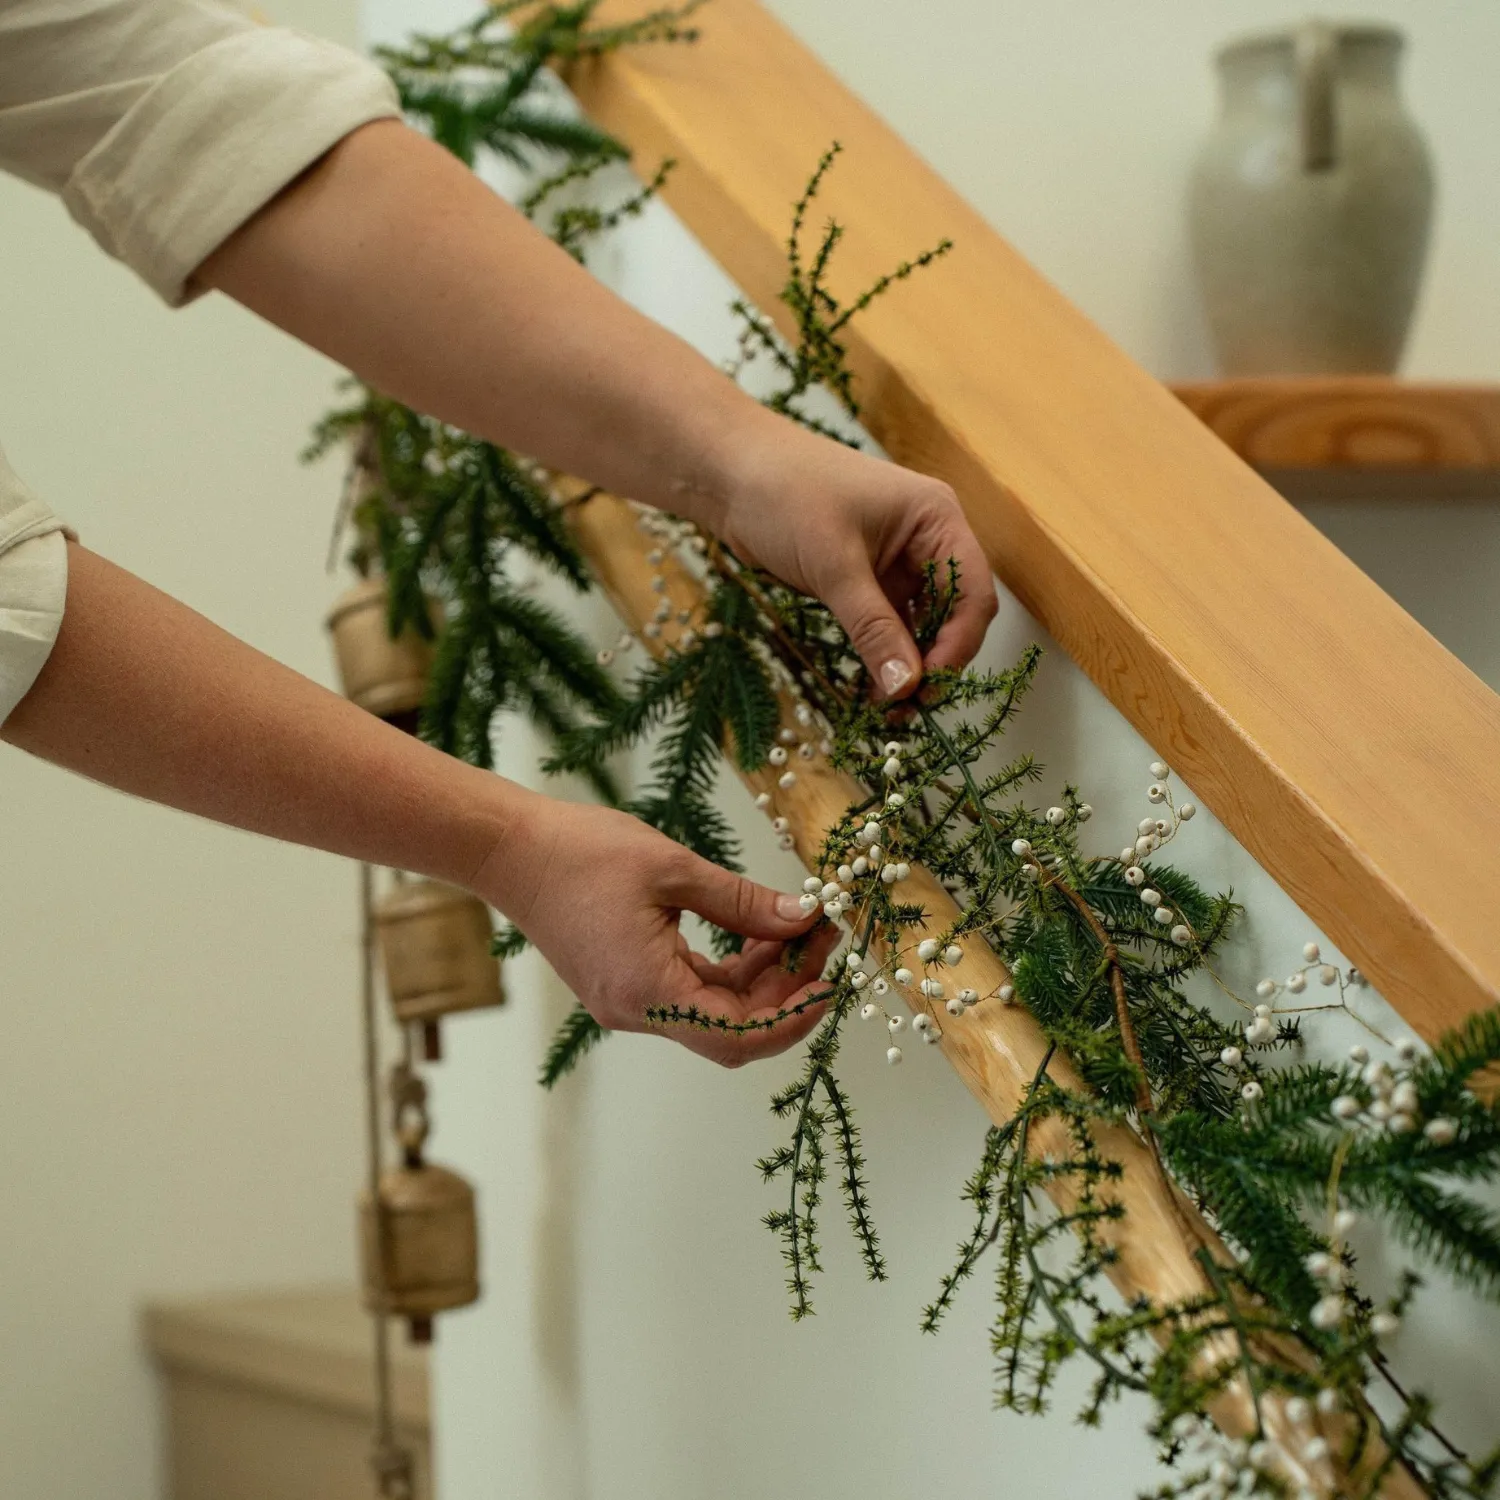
(396, 260)
(145, 695)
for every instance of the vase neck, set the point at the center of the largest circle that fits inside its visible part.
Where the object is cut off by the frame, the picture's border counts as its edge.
(1261, 72)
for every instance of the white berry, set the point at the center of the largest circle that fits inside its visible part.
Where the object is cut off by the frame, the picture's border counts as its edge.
(787, 780)
(1187, 812)
(892, 768)
(927, 950)
(1156, 792)
(896, 1023)
(893, 1055)
(1440, 1131)
(954, 1007)
(1384, 1324)
(777, 755)
(1346, 1107)
(1251, 1091)
(868, 1012)
(1056, 816)
(953, 954)
(1182, 936)
(1135, 875)
(1231, 1057)
(808, 903)
(1296, 983)
(1327, 1313)
(1344, 1220)
(1021, 847)
(902, 976)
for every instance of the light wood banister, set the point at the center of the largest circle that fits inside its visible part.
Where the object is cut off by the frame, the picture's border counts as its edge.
(1343, 746)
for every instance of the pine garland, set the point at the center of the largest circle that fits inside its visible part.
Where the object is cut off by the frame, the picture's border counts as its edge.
(1278, 1154)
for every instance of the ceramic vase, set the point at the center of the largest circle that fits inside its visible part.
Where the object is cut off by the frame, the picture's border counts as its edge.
(1310, 204)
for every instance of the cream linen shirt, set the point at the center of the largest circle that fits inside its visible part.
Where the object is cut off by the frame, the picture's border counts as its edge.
(164, 125)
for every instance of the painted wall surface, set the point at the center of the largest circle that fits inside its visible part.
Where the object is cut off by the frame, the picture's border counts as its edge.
(178, 1088)
(633, 1341)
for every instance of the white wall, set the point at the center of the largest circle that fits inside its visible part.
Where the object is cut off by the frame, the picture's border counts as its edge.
(179, 1105)
(633, 1341)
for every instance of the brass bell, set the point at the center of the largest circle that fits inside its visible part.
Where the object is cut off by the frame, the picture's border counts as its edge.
(388, 677)
(435, 940)
(420, 1255)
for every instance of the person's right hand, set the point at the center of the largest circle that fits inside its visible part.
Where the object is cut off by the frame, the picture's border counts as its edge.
(601, 895)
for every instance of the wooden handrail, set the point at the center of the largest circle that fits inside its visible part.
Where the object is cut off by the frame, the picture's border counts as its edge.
(1343, 746)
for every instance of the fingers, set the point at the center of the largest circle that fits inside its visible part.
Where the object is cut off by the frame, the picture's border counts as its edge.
(944, 533)
(732, 902)
(757, 1001)
(875, 630)
(963, 632)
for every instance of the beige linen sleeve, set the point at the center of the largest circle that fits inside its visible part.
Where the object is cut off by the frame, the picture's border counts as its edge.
(165, 124)
(33, 586)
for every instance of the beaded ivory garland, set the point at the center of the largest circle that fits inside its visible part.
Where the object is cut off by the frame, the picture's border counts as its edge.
(1199, 1196)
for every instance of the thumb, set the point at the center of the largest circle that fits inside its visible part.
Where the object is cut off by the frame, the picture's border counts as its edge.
(874, 628)
(739, 905)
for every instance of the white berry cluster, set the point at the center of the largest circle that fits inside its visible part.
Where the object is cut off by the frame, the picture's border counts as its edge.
(922, 1024)
(1151, 835)
(1313, 968)
(931, 954)
(1387, 1100)
(1243, 1466)
(840, 894)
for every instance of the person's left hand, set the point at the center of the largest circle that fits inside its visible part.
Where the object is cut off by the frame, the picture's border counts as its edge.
(856, 532)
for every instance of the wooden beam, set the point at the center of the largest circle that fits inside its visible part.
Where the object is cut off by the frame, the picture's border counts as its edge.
(1345, 748)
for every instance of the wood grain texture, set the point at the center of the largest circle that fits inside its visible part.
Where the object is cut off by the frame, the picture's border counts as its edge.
(1351, 422)
(1343, 746)
(996, 1049)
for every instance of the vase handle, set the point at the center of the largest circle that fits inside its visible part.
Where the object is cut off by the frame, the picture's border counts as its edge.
(1316, 52)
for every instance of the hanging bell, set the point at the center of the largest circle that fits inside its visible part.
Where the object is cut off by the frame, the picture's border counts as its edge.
(419, 1255)
(384, 675)
(435, 940)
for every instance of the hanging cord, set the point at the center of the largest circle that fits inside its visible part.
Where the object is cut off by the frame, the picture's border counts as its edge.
(392, 1463)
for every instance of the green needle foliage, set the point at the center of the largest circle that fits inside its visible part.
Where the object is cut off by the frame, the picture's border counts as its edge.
(1105, 951)
(489, 85)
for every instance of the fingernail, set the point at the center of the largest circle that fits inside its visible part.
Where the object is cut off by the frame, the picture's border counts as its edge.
(789, 908)
(895, 675)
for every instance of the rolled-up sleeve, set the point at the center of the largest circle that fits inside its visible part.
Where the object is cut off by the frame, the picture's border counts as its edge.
(165, 124)
(33, 587)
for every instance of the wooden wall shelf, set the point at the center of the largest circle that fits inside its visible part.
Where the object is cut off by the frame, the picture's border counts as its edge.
(1356, 434)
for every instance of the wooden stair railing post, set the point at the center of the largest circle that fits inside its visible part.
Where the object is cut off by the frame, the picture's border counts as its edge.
(996, 1049)
(1352, 755)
